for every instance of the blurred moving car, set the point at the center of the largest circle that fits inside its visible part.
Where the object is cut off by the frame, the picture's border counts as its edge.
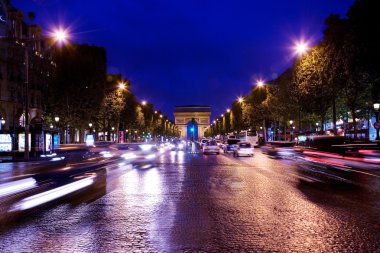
(211, 147)
(329, 159)
(229, 145)
(279, 149)
(141, 155)
(177, 145)
(243, 149)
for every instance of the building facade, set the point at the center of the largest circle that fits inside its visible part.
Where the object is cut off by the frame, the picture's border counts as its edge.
(192, 121)
(26, 67)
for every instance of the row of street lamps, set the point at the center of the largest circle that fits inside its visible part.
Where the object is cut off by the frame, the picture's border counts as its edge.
(301, 48)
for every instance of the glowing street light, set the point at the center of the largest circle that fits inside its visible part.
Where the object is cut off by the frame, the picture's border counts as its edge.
(222, 115)
(122, 86)
(260, 83)
(228, 110)
(376, 107)
(143, 102)
(240, 99)
(60, 35)
(301, 48)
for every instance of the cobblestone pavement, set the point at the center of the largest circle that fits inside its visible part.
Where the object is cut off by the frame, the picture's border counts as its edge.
(197, 203)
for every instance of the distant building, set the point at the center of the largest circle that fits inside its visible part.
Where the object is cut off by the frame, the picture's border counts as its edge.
(192, 121)
(15, 38)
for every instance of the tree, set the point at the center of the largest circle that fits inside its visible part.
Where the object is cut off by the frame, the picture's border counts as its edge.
(113, 103)
(76, 92)
(314, 82)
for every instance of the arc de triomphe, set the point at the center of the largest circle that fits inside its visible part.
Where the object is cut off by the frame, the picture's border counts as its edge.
(192, 120)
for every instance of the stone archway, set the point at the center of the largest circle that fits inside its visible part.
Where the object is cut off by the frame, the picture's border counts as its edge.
(200, 115)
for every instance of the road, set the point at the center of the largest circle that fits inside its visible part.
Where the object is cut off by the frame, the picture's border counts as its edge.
(203, 203)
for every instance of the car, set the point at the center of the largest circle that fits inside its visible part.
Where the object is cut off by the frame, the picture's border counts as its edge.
(243, 149)
(140, 155)
(203, 142)
(211, 147)
(279, 149)
(229, 145)
(329, 159)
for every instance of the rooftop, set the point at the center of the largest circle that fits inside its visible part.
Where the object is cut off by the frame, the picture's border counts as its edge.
(192, 108)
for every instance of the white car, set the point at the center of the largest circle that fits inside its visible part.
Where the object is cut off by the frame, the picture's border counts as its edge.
(211, 147)
(243, 149)
(203, 142)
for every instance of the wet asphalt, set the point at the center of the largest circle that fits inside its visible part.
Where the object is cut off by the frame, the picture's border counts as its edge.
(203, 203)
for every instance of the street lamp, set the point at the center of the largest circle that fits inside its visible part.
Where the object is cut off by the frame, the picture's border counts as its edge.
(291, 129)
(2, 121)
(60, 36)
(376, 106)
(301, 48)
(51, 138)
(143, 102)
(240, 99)
(317, 127)
(260, 83)
(122, 86)
(228, 110)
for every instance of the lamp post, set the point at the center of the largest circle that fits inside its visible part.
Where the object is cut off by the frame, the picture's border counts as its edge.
(56, 119)
(317, 127)
(2, 121)
(376, 106)
(59, 36)
(51, 138)
(291, 129)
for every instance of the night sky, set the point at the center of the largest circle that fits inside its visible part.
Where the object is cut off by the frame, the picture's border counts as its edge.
(179, 52)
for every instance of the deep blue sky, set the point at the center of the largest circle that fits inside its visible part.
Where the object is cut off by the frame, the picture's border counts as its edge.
(179, 52)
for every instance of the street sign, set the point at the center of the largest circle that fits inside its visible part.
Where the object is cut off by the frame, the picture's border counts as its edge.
(376, 125)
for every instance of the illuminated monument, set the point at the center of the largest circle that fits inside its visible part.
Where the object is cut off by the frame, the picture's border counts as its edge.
(192, 120)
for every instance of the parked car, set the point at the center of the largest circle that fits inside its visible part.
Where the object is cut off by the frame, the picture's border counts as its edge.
(211, 147)
(243, 149)
(229, 145)
(203, 142)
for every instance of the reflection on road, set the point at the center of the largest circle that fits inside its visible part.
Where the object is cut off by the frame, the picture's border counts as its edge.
(187, 202)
